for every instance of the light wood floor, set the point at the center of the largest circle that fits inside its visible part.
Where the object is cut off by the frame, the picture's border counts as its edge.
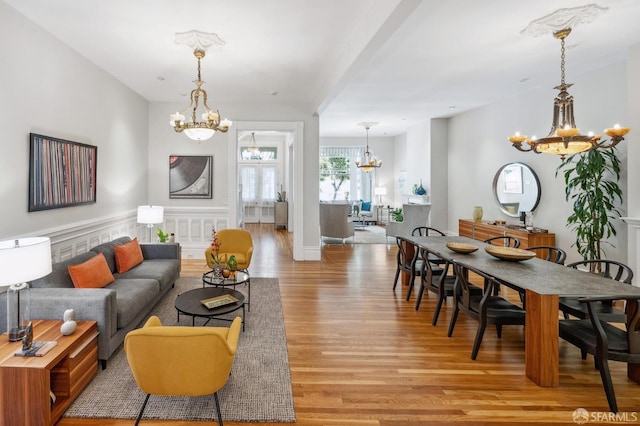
(361, 355)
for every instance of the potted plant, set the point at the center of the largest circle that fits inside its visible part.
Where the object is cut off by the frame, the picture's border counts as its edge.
(591, 180)
(396, 214)
(162, 236)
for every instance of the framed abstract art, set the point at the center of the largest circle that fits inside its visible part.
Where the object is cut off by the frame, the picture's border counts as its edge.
(190, 176)
(61, 173)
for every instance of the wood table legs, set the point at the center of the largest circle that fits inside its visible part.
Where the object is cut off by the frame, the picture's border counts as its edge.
(541, 339)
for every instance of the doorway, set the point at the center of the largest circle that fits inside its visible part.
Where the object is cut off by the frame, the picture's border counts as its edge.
(291, 178)
(261, 171)
(259, 182)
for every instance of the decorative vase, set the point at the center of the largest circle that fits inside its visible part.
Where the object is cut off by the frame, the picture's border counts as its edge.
(68, 327)
(217, 271)
(69, 315)
(420, 189)
(477, 214)
(528, 221)
(232, 263)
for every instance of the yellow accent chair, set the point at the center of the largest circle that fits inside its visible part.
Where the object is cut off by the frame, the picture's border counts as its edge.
(181, 361)
(236, 242)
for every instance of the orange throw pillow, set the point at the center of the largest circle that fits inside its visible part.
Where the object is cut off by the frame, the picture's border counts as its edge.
(94, 273)
(128, 255)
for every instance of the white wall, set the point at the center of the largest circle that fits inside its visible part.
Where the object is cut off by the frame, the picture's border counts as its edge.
(633, 160)
(478, 147)
(47, 88)
(417, 159)
(400, 154)
(439, 171)
(164, 141)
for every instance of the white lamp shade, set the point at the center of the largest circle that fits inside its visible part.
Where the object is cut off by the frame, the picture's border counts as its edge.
(24, 259)
(150, 214)
(199, 133)
(381, 190)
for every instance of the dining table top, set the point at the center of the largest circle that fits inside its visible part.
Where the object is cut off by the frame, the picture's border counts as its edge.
(537, 275)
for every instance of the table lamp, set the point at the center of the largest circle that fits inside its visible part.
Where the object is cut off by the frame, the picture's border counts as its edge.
(380, 191)
(150, 215)
(22, 260)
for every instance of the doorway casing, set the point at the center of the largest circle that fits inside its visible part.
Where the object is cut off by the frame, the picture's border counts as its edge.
(294, 177)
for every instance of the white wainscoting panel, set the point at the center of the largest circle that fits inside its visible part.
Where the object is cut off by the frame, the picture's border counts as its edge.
(191, 227)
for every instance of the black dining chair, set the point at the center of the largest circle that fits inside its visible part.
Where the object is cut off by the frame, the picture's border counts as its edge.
(426, 231)
(436, 278)
(486, 308)
(551, 254)
(604, 340)
(407, 263)
(571, 306)
(437, 263)
(504, 241)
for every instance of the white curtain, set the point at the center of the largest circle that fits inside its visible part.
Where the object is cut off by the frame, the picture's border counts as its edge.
(269, 182)
(248, 184)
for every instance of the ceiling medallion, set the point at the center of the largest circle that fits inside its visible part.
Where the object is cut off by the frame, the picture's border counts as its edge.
(564, 137)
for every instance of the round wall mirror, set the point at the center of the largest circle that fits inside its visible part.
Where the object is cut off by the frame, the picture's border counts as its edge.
(516, 188)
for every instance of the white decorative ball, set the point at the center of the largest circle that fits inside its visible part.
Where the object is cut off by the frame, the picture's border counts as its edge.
(69, 315)
(68, 327)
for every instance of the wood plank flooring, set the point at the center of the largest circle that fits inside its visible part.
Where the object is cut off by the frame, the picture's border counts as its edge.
(361, 355)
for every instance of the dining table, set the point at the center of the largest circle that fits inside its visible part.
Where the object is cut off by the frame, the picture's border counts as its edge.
(543, 282)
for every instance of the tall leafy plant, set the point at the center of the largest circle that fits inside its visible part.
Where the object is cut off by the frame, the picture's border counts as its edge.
(591, 180)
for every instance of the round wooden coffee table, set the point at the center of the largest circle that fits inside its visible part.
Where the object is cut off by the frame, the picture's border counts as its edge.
(190, 303)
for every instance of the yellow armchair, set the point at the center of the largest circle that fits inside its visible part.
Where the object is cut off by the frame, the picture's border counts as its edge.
(186, 361)
(236, 242)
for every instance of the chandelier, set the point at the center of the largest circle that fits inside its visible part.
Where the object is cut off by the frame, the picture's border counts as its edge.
(369, 162)
(564, 137)
(253, 149)
(194, 129)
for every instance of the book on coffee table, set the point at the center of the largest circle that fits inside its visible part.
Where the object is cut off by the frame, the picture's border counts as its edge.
(38, 348)
(218, 301)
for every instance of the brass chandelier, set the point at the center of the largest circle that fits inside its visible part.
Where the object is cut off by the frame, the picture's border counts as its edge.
(369, 162)
(194, 129)
(253, 149)
(564, 137)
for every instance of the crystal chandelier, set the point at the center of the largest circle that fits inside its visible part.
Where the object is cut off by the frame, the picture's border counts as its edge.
(369, 162)
(194, 129)
(564, 137)
(253, 149)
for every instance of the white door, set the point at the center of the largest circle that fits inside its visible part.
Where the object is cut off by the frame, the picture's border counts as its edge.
(259, 183)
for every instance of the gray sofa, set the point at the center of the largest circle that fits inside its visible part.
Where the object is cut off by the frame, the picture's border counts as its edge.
(120, 306)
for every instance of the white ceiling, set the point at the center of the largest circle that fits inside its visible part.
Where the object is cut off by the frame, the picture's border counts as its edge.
(397, 62)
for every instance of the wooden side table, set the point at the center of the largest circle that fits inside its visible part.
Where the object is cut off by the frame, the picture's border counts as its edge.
(26, 382)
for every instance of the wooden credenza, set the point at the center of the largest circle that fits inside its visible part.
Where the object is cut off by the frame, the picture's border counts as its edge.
(26, 383)
(483, 230)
